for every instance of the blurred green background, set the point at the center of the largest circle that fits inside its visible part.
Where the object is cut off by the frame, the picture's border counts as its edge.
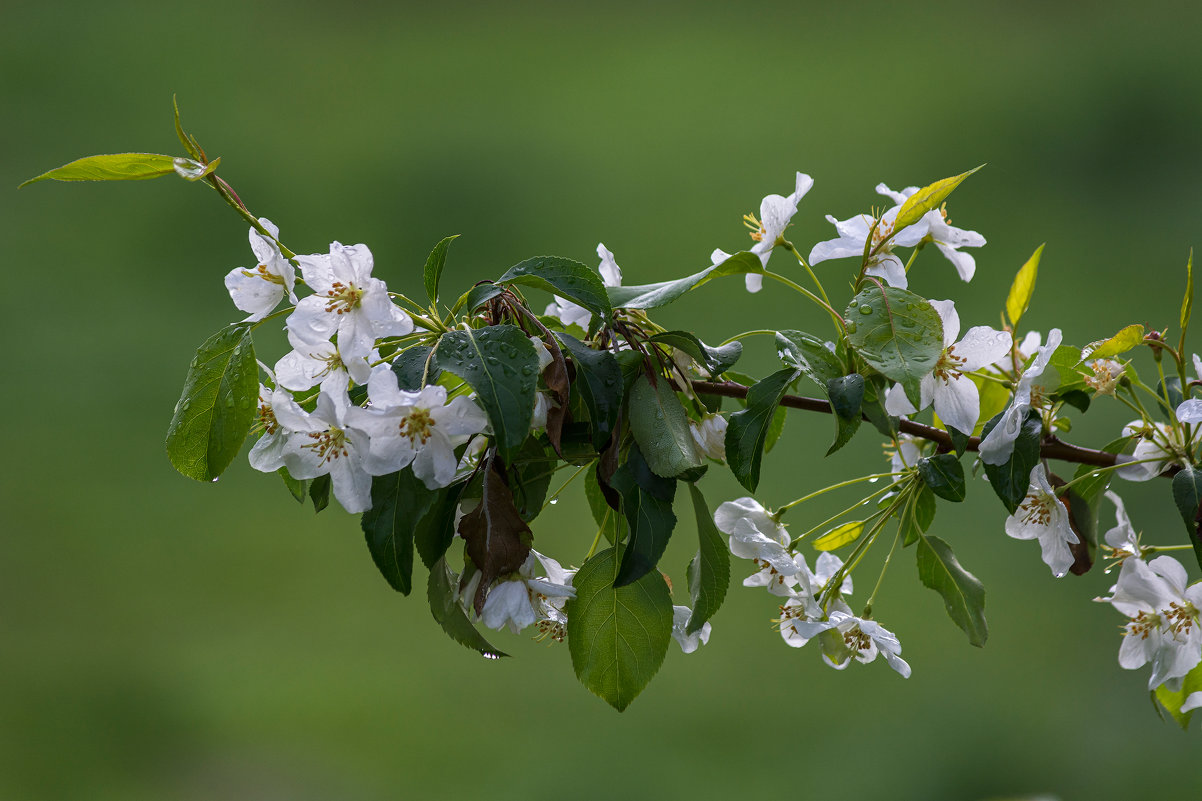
(163, 639)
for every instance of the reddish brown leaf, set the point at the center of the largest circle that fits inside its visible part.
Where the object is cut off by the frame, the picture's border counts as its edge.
(498, 540)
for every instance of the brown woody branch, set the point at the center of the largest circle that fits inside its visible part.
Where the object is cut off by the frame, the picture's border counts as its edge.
(1052, 447)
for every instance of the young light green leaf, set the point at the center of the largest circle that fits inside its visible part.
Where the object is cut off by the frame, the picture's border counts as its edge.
(839, 536)
(652, 296)
(1187, 302)
(944, 474)
(926, 199)
(434, 265)
(500, 364)
(398, 502)
(1173, 700)
(440, 593)
(297, 487)
(599, 381)
(709, 571)
(563, 277)
(747, 430)
(110, 167)
(647, 506)
(661, 428)
(216, 409)
(714, 360)
(963, 595)
(897, 332)
(617, 636)
(1023, 288)
(1126, 339)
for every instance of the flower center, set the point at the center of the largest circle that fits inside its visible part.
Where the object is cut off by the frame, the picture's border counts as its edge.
(949, 364)
(1181, 617)
(1037, 508)
(262, 272)
(1143, 624)
(267, 417)
(329, 444)
(551, 628)
(857, 640)
(757, 229)
(418, 426)
(343, 297)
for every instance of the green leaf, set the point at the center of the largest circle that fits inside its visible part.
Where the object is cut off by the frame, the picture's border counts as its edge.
(1023, 288)
(647, 505)
(298, 487)
(1173, 700)
(599, 381)
(776, 428)
(1187, 494)
(846, 394)
(839, 536)
(809, 354)
(1126, 339)
(477, 296)
(500, 364)
(747, 430)
(617, 636)
(530, 478)
(413, 365)
(898, 333)
(926, 199)
(319, 492)
(607, 518)
(714, 360)
(112, 167)
(661, 428)
(959, 439)
(709, 571)
(563, 277)
(963, 595)
(398, 502)
(450, 615)
(1011, 480)
(216, 409)
(186, 140)
(1095, 484)
(1187, 302)
(944, 474)
(652, 296)
(435, 531)
(918, 515)
(434, 265)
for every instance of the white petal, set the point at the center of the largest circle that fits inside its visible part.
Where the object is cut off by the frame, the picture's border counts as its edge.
(1190, 411)
(982, 346)
(842, 248)
(611, 274)
(957, 402)
(951, 320)
(891, 269)
(755, 282)
(964, 263)
(896, 402)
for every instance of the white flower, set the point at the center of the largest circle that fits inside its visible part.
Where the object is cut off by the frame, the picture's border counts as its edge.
(571, 313)
(418, 428)
(710, 436)
(312, 364)
(1044, 517)
(997, 447)
(864, 639)
(941, 232)
(1162, 619)
(802, 618)
(956, 399)
(755, 535)
(346, 301)
(1158, 442)
(267, 454)
(907, 452)
(259, 289)
(854, 233)
(1122, 539)
(680, 621)
(768, 230)
(327, 443)
(523, 599)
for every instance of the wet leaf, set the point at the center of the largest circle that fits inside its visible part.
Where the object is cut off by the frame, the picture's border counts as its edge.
(963, 595)
(564, 277)
(747, 430)
(896, 332)
(647, 506)
(709, 571)
(111, 167)
(661, 428)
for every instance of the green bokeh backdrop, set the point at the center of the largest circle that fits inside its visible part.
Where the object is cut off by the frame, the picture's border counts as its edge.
(163, 639)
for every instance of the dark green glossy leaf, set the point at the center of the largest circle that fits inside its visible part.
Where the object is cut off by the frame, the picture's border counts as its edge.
(661, 428)
(477, 296)
(647, 506)
(563, 277)
(434, 265)
(617, 636)
(944, 474)
(918, 515)
(897, 332)
(846, 394)
(218, 405)
(599, 381)
(959, 439)
(651, 296)
(1011, 480)
(709, 571)
(1187, 495)
(440, 592)
(714, 360)
(398, 502)
(413, 365)
(776, 428)
(608, 519)
(809, 354)
(319, 492)
(500, 364)
(963, 595)
(436, 529)
(530, 478)
(747, 430)
(111, 167)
